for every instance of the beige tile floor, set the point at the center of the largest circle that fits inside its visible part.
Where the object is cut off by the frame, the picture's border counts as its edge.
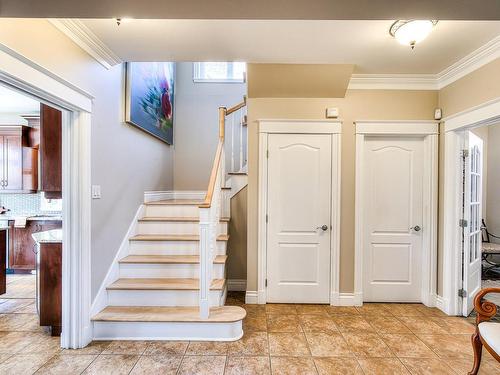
(279, 339)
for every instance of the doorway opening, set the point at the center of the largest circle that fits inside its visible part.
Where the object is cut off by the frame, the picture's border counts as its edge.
(31, 212)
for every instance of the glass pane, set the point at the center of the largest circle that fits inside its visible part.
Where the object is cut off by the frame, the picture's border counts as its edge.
(220, 71)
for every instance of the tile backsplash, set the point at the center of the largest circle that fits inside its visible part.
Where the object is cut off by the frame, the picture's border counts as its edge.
(28, 204)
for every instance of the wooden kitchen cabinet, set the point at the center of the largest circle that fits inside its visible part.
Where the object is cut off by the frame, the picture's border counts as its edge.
(18, 161)
(21, 244)
(50, 286)
(51, 152)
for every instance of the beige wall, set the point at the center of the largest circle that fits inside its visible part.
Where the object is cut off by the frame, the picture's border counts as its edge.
(298, 80)
(475, 88)
(125, 161)
(237, 244)
(357, 105)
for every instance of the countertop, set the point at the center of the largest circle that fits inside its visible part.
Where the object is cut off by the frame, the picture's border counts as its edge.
(49, 236)
(31, 218)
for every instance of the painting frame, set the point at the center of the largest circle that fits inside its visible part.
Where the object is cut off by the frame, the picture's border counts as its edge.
(149, 98)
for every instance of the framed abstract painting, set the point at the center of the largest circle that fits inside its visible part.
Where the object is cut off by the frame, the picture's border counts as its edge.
(149, 102)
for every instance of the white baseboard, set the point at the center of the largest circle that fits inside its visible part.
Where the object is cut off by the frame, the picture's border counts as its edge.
(252, 297)
(237, 285)
(347, 299)
(442, 304)
(152, 196)
(101, 299)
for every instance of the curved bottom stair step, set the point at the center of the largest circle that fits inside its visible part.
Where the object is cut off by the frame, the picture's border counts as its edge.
(222, 314)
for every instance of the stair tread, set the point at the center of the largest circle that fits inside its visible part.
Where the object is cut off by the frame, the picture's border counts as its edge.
(174, 202)
(168, 314)
(169, 259)
(238, 173)
(162, 284)
(180, 219)
(173, 237)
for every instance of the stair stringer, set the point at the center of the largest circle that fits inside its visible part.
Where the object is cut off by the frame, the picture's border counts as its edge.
(113, 274)
(236, 183)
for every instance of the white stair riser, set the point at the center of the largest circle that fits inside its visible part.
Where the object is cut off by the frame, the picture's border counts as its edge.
(172, 210)
(237, 182)
(142, 270)
(168, 331)
(171, 247)
(162, 227)
(160, 297)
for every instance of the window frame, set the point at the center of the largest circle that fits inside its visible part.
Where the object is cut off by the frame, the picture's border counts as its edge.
(197, 74)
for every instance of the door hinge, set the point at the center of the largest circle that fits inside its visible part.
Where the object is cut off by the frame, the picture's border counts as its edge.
(463, 223)
(462, 293)
(267, 154)
(266, 283)
(267, 218)
(465, 153)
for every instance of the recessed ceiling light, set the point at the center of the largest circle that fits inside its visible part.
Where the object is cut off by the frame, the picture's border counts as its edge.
(411, 32)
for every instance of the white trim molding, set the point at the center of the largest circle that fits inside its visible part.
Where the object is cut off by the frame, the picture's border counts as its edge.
(428, 130)
(79, 33)
(20, 72)
(274, 126)
(236, 285)
(347, 299)
(466, 65)
(113, 274)
(26, 76)
(485, 114)
(152, 196)
(251, 298)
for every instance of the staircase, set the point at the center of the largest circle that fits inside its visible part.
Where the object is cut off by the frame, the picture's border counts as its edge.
(170, 284)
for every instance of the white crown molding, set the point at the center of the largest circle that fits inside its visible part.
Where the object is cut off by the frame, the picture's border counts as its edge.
(473, 61)
(87, 40)
(393, 82)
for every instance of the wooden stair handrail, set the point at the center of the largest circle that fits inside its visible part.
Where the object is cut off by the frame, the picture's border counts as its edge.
(237, 106)
(213, 176)
(223, 113)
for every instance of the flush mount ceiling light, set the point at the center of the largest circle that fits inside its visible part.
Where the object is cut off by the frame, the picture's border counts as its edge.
(411, 32)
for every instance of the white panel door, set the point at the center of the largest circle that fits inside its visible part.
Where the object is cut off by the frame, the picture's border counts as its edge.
(392, 250)
(473, 166)
(298, 234)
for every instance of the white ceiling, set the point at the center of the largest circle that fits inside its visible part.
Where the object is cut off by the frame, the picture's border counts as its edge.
(12, 102)
(367, 44)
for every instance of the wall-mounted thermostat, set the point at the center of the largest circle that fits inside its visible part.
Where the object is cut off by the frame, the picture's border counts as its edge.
(438, 114)
(332, 112)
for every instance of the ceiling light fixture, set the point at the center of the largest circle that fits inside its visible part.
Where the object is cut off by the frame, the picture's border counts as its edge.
(119, 21)
(411, 32)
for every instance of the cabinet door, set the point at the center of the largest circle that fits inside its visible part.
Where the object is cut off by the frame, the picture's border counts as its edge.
(51, 286)
(22, 249)
(2, 162)
(3, 254)
(51, 151)
(13, 162)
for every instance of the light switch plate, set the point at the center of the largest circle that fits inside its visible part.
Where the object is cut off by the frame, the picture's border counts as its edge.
(96, 191)
(332, 112)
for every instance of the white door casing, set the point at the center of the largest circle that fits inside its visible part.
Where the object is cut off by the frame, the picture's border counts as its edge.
(485, 114)
(22, 74)
(393, 193)
(428, 131)
(298, 206)
(472, 215)
(270, 127)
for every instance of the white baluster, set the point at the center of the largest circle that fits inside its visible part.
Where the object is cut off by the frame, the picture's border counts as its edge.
(232, 143)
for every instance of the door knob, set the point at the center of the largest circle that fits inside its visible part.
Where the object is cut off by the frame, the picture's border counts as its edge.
(416, 228)
(323, 227)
